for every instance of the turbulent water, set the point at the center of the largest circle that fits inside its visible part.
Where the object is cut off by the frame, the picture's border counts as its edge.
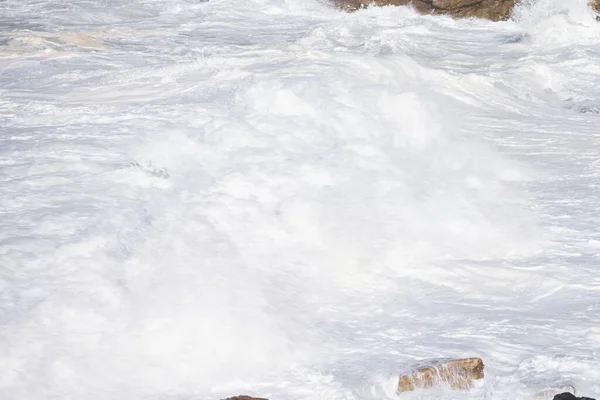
(270, 197)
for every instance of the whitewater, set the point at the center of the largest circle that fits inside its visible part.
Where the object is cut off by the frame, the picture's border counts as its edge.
(276, 198)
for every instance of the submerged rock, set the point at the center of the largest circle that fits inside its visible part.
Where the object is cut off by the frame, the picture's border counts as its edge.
(458, 374)
(570, 396)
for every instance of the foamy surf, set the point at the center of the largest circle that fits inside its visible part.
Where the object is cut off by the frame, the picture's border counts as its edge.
(275, 198)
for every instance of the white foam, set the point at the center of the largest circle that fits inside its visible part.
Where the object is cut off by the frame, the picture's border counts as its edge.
(276, 198)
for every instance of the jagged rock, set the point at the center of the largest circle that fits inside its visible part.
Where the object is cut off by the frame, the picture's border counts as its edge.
(570, 396)
(494, 10)
(458, 374)
(244, 398)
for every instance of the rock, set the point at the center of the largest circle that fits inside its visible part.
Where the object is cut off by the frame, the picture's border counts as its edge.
(569, 396)
(595, 4)
(551, 391)
(244, 398)
(458, 374)
(494, 10)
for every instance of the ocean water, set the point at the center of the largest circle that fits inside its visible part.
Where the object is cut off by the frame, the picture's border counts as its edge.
(271, 197)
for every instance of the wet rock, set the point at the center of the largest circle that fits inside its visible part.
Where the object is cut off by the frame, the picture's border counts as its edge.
(595, 4)
(494, 10)
(570, 396)
(458, 374)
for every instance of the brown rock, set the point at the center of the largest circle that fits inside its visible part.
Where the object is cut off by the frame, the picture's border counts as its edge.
(244, 398)
(494, 10)
(595, 4)
(458, 374)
